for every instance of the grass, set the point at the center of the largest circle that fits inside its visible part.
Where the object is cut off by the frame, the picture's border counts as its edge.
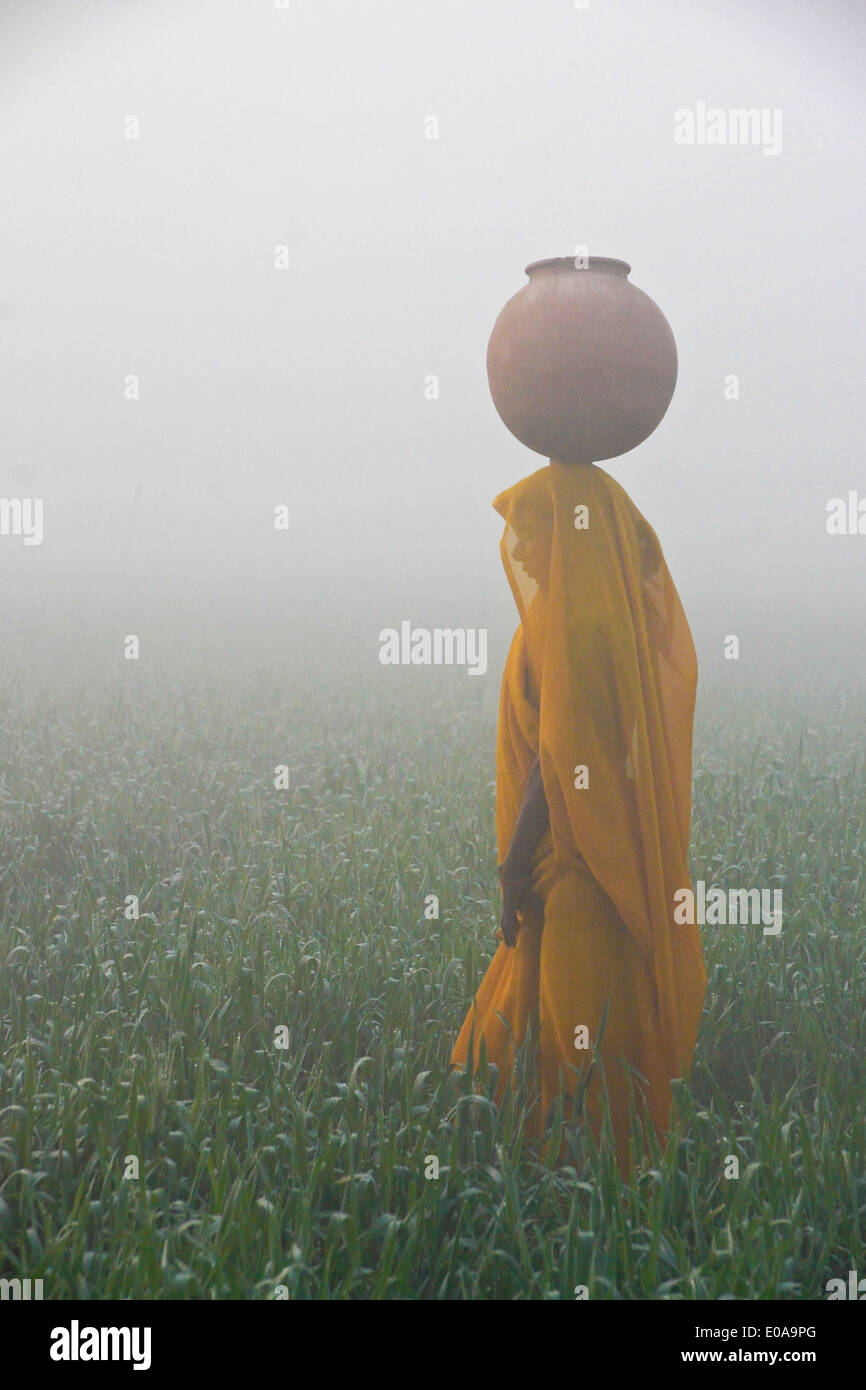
(303, 1167)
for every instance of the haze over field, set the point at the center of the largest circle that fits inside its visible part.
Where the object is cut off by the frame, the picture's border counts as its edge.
(309, 128)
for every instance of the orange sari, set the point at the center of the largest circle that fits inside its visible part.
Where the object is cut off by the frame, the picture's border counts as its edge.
(599, 684)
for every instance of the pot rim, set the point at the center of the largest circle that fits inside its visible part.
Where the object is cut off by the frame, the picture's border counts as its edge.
(608, 263)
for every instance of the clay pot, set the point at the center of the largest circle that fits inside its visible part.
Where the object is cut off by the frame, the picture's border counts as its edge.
(581, 364)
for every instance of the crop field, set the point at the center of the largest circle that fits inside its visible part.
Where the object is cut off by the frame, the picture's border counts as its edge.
(238, 1092)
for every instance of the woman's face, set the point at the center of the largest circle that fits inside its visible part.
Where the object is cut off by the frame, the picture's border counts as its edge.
(532, 551)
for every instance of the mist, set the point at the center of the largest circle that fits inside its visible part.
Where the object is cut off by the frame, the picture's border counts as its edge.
(253, 256)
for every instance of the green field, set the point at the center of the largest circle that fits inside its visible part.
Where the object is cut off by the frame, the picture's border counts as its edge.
(304, 1167)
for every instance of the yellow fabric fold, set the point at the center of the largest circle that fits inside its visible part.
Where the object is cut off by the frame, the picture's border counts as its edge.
(600, 684)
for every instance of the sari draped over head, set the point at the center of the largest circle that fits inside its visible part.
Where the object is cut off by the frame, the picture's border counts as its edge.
(599, 685)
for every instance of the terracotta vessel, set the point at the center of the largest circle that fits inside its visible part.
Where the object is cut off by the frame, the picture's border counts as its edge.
(581, 364)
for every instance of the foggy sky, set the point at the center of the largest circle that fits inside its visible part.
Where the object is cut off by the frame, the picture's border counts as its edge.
(305, 127)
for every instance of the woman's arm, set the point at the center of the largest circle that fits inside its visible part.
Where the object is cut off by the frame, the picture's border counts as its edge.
(515, 871)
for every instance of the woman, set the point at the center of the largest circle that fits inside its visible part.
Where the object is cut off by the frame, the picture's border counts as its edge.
(592, 809)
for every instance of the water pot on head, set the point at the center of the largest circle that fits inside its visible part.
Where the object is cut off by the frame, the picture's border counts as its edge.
(582, 365)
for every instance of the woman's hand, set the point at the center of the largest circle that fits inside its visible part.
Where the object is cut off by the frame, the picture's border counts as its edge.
(515, 876)
(517, 899)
